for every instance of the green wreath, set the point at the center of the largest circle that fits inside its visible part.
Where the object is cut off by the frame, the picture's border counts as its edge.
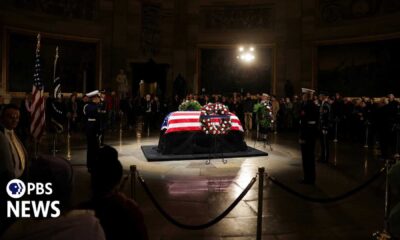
(191, 105)
(215, 111)
(264, 114)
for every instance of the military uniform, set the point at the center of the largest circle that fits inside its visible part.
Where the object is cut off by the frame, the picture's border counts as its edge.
(324, 123)
(308, 135)
(91, 112)
(102, 117)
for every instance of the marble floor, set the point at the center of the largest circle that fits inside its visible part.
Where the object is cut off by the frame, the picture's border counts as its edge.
(193, 192)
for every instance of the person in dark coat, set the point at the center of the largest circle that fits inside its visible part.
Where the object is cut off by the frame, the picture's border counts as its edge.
(120, 216)
(324, 124)
(247, 106)
(391, 126)
(309, 115)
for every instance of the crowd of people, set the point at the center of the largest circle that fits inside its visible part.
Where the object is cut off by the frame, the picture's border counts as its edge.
(316, 116)
(345, 118)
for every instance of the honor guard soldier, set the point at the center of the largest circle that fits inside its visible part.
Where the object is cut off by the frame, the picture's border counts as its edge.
(102, 116)
(93, 131)
(324, 124)
(309, 115)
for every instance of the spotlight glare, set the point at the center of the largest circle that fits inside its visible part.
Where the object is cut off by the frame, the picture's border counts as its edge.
(247, 57)
(246, 53)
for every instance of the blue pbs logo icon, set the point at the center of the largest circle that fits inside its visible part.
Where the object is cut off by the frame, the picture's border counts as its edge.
(16, 188)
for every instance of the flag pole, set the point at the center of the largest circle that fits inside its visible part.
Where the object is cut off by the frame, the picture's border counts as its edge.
(36, 142)
(68, 141)
(55, 64)
(54, 98)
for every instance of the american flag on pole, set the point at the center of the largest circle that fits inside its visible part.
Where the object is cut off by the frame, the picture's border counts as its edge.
(190, 121)
(37, 107)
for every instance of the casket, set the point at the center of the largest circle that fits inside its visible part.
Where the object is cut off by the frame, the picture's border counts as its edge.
(182, 133)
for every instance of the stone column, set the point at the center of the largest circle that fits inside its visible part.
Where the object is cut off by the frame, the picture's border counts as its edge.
(119, 43)
(179, 59)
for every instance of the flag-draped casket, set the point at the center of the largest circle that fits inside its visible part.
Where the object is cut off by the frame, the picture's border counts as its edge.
(182, 132)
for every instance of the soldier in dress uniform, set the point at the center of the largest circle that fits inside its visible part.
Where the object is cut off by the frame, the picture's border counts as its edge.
(102, 116)
(324, 124)
(309, 115)
(93, 131)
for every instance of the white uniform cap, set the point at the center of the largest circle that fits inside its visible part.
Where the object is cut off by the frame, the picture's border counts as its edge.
(93, 93)
(307, 90)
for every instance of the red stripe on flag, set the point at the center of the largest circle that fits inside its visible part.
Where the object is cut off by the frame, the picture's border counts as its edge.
(183, 129)
(37, 113)
(172, 121)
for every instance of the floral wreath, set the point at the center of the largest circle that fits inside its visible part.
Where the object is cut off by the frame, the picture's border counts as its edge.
(215, 111)
(191, 105)
(263, 109)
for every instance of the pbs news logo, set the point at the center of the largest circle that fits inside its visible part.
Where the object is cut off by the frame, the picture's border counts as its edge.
(29, 208)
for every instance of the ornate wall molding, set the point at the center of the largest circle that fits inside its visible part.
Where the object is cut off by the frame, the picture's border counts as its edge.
(237, 17)
(79, 9)
(337, 11)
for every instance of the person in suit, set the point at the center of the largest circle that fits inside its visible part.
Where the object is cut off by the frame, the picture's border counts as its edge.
(72, 223)
(12, 152)
(148, 113)
(13, 156)
(324, 123)
(309, 115)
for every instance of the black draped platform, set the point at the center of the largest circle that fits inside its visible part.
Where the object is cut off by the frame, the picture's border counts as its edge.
(152, 154)
(197, 142)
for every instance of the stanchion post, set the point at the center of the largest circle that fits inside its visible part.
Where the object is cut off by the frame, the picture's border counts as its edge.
(69, 140)
(336, 129)
(385, 235)
(261, 172)
(366, 134)
(133, 171)
(387, 196)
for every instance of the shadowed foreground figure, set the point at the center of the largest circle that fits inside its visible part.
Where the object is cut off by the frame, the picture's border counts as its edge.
(13, 157)
(71, 224)
(119, 215)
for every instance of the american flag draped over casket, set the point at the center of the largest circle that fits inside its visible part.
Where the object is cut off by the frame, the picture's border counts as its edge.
(183, 121)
